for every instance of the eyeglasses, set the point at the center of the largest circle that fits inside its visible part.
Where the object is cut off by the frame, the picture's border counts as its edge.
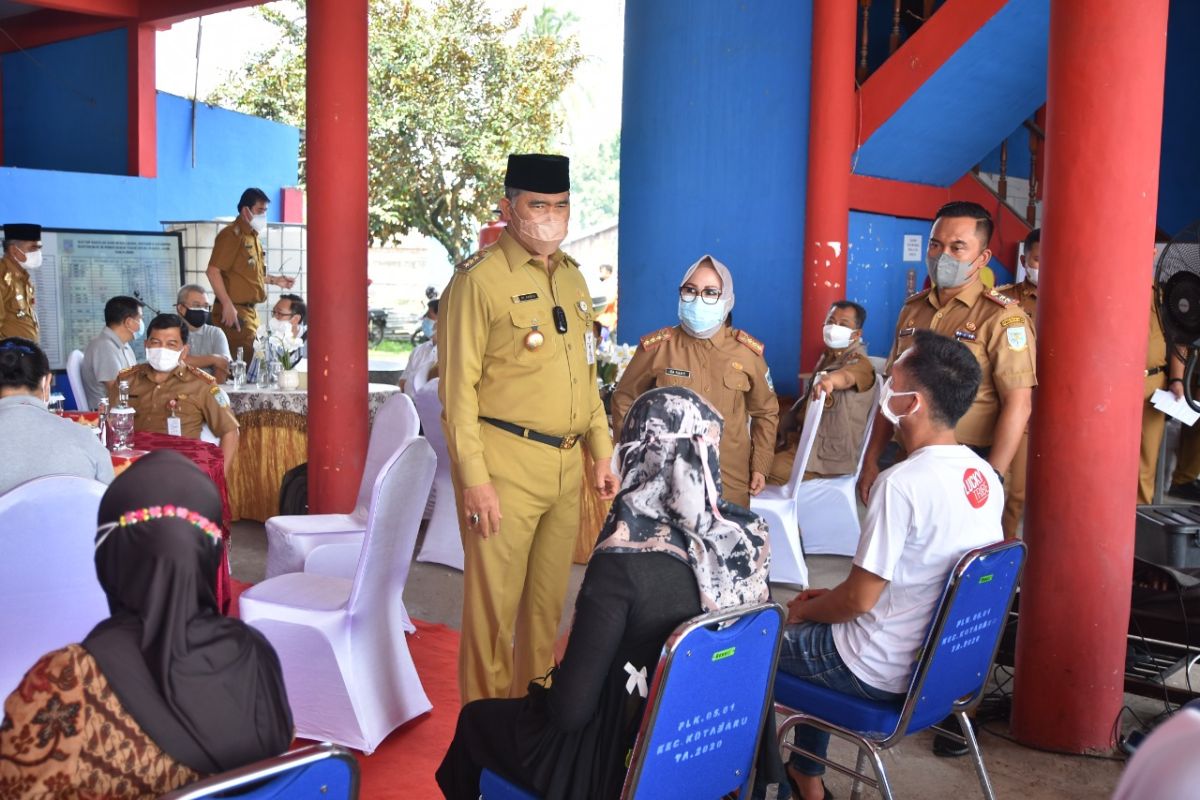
(709, 295)
(282, 314)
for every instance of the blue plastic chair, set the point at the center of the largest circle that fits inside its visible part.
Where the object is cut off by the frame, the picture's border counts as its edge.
(950, 674)
(704, 713)
(321, 772)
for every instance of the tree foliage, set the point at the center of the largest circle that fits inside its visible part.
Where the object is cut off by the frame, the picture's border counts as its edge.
(453, 89)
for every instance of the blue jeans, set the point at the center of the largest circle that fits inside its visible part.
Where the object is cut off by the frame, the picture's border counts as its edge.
(808, 652)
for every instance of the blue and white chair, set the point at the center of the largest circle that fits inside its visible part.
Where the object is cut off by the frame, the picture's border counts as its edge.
(705, 710)
(320, 772)
(950, 675)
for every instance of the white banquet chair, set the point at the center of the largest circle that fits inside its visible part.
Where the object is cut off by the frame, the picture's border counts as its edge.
(349, 676)
(75, 379)
(291, 538)
(443, 541)
(48, 585)
(778, 506)
(828, 507)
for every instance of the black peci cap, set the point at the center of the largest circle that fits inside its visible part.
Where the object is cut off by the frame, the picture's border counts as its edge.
(535, 172)
(23, 232)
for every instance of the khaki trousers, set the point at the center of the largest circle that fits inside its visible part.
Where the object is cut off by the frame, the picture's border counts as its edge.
(1153, 423)
(244, 338)
(1014, 489)
(515, 583)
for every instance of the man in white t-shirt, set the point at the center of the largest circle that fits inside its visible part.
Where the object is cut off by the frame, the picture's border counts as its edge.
(423, 359)
(924, 514)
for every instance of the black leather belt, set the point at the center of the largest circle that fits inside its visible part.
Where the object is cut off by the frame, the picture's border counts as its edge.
(561, 442)
(1155, 371)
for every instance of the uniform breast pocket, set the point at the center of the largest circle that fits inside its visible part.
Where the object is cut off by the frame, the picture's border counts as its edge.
(534, 336)
(737, 381)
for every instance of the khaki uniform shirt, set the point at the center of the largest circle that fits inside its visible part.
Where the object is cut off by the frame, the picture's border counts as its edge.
(996, 331)
(496, 299)
(727, 370)
(1025, 293)
(197, 398)
(1156, 350)
(839, 439)
(238, 253)
(18, 314)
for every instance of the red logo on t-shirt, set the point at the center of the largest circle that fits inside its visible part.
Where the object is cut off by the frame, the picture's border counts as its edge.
(975, 486)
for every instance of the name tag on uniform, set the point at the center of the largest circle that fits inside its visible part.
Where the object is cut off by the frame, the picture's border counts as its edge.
(679, 373)
(524, 298)
(174, 426)
(589, 342)
(906, 332)
(965, 336)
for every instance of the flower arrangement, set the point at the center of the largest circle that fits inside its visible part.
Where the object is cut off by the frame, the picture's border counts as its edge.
(611, 360)
(286, 345)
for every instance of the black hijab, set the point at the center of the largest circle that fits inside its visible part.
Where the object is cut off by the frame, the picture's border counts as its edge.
(670, 500)
(205, 688)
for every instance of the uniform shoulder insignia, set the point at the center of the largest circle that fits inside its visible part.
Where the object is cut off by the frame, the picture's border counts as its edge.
(567, 258)
(999, 299)
(201, 374)
(471, 262)
(754, 344)
(129, 372)
(652, 340)
(1008, 287)
(918, 295)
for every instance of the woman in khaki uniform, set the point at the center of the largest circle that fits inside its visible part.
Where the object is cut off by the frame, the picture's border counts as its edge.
(723, 365)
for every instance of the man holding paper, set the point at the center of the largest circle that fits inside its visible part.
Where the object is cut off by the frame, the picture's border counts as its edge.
(1161, 373)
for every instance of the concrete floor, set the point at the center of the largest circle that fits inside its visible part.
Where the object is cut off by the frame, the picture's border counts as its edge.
(434, 594)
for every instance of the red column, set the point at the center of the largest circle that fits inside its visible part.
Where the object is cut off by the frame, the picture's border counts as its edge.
(143, 102)
(830, 142)
(336, 136)
(1103, 129)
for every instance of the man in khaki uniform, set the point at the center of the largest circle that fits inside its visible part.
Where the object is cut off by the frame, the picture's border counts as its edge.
(1025, 293)
(996, 331)
(171, 397)
(238, 273)
(1160, 373)
(723, 365)
(22, 252)
(845, 374)
(518, 387)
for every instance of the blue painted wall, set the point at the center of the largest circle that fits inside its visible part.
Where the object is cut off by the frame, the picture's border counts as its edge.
(877, 275)
(1179, 172)
(233, 151)
(992, 83)
(713, 160)
(66, 105)
(1018, 155)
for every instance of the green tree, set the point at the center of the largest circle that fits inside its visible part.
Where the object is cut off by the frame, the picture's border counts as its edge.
(596, 186)
(453, 89)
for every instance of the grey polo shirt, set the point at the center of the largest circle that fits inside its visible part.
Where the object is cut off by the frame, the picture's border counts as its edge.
(209, 340)
(105, 356)
(38, 443)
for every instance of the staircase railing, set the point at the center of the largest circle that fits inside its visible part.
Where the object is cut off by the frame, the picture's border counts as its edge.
(907, 17)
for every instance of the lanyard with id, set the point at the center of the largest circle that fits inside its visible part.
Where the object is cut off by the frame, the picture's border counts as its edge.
(174, 424)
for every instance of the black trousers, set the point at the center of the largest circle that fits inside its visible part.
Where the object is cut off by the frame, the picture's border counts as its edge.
(485, 738)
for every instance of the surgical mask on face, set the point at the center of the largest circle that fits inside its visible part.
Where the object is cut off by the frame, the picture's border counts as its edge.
(837, 337)
(141, 330)
(427, 327)
(161, 359)
(947, 272)
(701, 319)
(259, 223)
(885, 403)
(33, 259)
(280, 327)
(1031, 274)
(197, 317)
(543, 235)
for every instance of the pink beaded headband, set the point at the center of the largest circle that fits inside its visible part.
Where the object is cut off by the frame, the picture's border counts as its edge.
(140, 515)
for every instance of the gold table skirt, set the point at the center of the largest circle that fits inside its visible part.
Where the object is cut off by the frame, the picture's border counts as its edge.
(271, 442)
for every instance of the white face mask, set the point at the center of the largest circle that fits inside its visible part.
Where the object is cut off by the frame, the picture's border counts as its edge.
(837, 337)
(33, 260)
(947, 272)
(1031, 274)
(259, 223)
(279, 327)
(161, 359)
(544, 235)
(885, 403)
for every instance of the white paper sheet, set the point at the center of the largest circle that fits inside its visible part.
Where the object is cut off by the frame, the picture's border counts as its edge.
(1173, 406)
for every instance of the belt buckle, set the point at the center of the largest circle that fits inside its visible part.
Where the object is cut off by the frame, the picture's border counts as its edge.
(568, 441)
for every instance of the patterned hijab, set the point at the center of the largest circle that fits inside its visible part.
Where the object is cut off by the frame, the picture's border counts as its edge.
(670, 500)
(205, 688)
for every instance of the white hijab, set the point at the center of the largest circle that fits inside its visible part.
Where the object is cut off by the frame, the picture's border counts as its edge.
(726, 291)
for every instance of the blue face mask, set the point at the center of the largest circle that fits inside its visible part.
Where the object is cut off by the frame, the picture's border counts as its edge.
(701, 319)
(141, 331)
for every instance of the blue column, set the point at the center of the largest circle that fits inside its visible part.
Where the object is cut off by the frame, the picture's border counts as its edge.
(714, 141)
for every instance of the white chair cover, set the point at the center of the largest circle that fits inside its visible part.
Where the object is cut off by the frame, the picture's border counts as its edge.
(828, 507)
(48, 586)
(350, 678)
(75, 378)
(777, 505)
(291, 538)
(443, 541)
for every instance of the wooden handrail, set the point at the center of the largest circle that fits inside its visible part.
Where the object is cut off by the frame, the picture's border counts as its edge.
(894, 39)
(864, 38)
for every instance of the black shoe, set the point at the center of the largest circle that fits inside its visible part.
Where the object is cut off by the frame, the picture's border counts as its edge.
(946, 747)
(1186, 491)
(796, 789)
